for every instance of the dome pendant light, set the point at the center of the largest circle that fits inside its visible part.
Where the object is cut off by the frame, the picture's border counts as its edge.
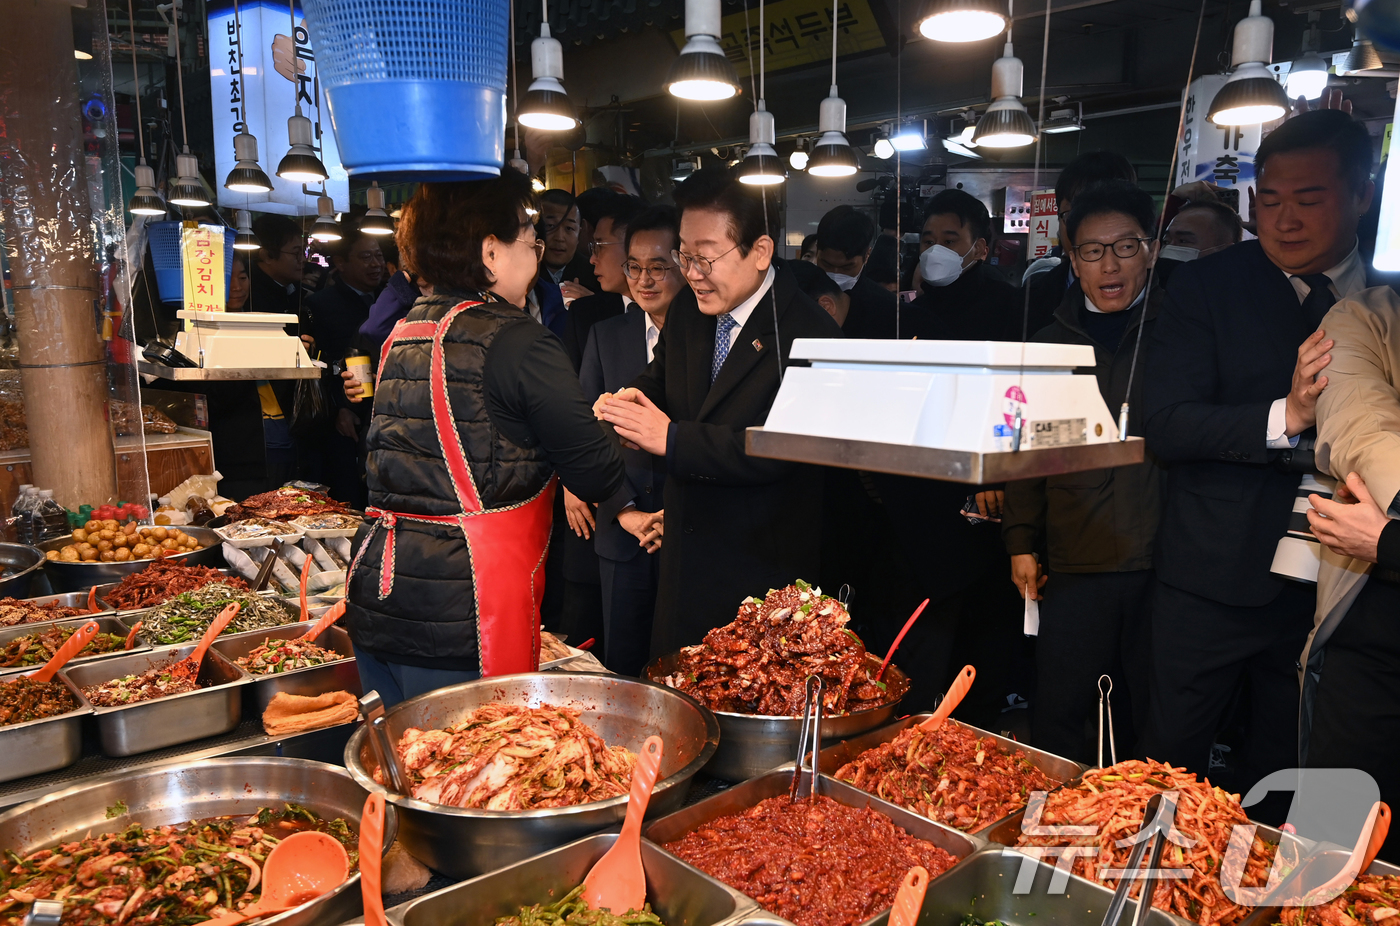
(546, 106)
(1005, 124)
(1251, 96)
(762, 166)
(1307, 77)
(187, 190)
(798, 158)
(1363, 56)
(832, 155)
(300, 164)
(376, 220)
(325, 228)
(962, 20)
(702, 72)
(245, 239)
(145, 201)
(247, 175)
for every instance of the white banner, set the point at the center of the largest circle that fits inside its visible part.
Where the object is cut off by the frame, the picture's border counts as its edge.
(1223, 155)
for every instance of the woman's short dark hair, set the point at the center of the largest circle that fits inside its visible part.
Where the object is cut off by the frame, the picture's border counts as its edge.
(1118, 196)
(655, 218)
(442, 227)
(717, 189)
(1330, 129)
(970, 210)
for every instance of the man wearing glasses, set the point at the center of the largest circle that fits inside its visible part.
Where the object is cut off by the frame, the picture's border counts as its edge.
(735, 525)
(1233, 373)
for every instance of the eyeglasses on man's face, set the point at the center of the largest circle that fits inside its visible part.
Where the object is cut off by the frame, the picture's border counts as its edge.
(1123, 248)
(656, 270)
(596, 246)
(703, 265)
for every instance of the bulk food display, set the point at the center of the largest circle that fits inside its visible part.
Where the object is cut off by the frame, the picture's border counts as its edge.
(183, 618)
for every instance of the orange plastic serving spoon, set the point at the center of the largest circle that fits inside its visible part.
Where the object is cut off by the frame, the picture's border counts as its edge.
(305, 574)
(70, 648)
(910, 899)
(617, 881)
(301, 867)
(336, 612)
(1378, 834)
(371, 851)
(131, 636)
(956, 692)
(189, 666)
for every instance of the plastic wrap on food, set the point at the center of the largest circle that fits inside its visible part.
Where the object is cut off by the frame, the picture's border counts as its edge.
(14, 427)
(294, 556)
(339, 549)
(153, 420)
(318, 552)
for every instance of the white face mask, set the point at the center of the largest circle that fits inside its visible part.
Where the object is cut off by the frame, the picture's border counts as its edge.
(940, 265)
(843, 281)
(1178, 252)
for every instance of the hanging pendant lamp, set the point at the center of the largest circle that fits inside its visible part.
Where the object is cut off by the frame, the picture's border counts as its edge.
(325, 228)
(702, 72)
(245, 240)
(962, 20)
(247, 175)
(1250, 96)
(188, 189)
(762, 166)
(798, 158)
(376, 220)
(145, 201)
(546, 105)
(832, 155)
(300, 164)
(1005, 124)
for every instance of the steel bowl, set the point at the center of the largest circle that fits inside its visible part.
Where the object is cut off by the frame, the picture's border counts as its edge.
(19, 562)
(463, 843)
(72, 577)
(751, 744)
(199, 790)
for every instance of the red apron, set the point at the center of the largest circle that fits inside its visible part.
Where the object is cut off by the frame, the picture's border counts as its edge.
(507, 545)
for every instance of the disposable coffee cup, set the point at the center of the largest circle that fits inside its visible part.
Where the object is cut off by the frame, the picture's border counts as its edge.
(358, 364)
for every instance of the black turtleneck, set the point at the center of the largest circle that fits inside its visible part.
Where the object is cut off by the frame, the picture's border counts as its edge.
(1107, 327)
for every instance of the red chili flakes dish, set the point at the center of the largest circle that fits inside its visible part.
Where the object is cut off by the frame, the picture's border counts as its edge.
(816, 862)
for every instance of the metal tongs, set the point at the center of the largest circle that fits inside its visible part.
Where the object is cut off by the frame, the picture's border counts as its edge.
(1156, 821)
(44, 913)
(395, 777)
(810, 737)
(1106, 709)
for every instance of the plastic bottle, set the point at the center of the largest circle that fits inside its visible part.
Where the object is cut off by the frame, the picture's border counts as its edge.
(25, 511)
(53, 519)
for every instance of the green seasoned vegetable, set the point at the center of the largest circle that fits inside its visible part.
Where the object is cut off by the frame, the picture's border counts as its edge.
(573, 909)
(184, 618)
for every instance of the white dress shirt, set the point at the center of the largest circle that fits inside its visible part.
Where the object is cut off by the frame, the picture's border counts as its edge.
(653, 333)
(1348, 278)
(741, 313)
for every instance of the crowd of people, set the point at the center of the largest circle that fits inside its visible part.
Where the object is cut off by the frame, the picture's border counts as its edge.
(568, 379)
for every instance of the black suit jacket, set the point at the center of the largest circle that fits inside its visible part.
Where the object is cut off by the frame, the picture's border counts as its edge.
(1223, 350)
(872, 312)
(583, 315)
(616, 355)
(977, 306)
(736, 525)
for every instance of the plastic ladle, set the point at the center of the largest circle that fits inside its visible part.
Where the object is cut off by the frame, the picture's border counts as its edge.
(371, 852)
(1378, 833)
(131, 636)
(617, 881)
(910, 899)
(302, 867)
(305, 574)
(900, 639)
(956, 692)
(188, 667)
(70, 648)
(336, 612)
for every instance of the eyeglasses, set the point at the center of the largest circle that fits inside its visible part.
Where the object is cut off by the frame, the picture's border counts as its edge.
(538, 247)
(595, 246)
(656, 271)
(1124, 248)
(703, 265)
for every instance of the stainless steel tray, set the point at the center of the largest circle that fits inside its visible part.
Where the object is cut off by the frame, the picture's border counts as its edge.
(70, 600)
(104, 625)
(741, 797)
(1320, 866)
(46, 745)
(169, 721)
(678, 893)
(751, 744)
(315, 680)
(197, 791)
(1060, 769)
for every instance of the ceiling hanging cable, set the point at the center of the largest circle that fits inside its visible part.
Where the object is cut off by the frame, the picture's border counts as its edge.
(1019, 421)
(186, 190)
(762, 165)
(300, 164)
(898, 163)
(832, 155)
(146, 201)
(1171, 185)
(517, 162)
(247, 175)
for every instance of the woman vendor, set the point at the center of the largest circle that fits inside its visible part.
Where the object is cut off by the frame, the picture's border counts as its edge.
(476, 410)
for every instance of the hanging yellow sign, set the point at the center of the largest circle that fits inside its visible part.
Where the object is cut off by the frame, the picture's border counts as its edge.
(202, 259)
(798, 33)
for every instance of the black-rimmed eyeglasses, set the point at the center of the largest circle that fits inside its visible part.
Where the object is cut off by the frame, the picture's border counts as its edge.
(1123, 248)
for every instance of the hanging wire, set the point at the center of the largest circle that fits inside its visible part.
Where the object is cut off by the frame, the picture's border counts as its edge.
(242, 92)
(179, 71)
(763, 189)
(1018, 422)
(898, 162)
(514, 78)
(136, 80)
(296, 91)
(1171, 185)
(834, 13)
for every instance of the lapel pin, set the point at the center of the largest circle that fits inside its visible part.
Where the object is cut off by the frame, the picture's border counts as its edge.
(757, 344)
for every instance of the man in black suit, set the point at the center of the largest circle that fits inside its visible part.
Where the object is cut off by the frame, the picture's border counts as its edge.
(607, 254)
(961, 297)
(735, 525)
(1231, 383)
(844, 239)
(629, 529)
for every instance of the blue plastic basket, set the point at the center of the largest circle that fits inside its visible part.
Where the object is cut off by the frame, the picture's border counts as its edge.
(165, 255)
(415, 88)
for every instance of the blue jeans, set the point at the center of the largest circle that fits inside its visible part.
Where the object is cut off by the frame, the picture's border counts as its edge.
(397, 682)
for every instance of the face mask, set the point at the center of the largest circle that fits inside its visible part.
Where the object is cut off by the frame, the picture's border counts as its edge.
(1177, 252)
(940, 266)
(843, 281)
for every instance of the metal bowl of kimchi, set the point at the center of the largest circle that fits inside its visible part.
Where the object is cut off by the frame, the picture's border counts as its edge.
(463, 842)
(237, 787)
(751, 744)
